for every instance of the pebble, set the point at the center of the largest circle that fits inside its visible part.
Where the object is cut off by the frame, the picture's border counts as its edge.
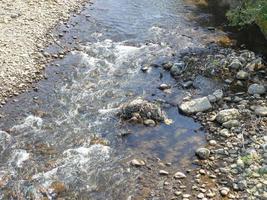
(242, 75)
(137, 162)
(200, 196)
(186, 195)
(224, 191)
(203, 153)
(164, 86)
(163, 172)
(212, 142)
(227, 115)
(231, 124)
(149, 122)
(179, 175)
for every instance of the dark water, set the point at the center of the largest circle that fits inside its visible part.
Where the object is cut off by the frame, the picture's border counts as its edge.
(48, 134)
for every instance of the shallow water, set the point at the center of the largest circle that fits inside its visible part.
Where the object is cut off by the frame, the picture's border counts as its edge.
(48, 134)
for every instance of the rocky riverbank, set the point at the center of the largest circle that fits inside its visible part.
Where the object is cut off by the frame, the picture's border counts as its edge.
(233, 164)
(24, 30)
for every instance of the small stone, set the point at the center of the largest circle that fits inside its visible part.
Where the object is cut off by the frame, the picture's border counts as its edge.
(203, 153)
(179, 175)
(231, 124)
(212, 98)
(200, 196)
(256, 89)
(186, 195)
(164, 86)
(225, 133)
(261, 111)
(178, 193)
(195, 105)
(187, 84)
(177, 68)
(212, 142)
(224, 191)
(163, 172)
(242, 75)
(144, 69)
(167, 66)
(210, 194)
(149, 122)
(235, 64)
(202, 171)
(218, 94)
(138, 162)
(227, 115)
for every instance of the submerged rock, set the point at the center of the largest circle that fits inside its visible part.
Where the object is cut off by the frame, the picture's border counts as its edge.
(195, 105)
(227, 115)
(177, 68)
(144, 109)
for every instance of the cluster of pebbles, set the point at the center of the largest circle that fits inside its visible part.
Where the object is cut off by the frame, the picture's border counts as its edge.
(24, 30)
(233, 164)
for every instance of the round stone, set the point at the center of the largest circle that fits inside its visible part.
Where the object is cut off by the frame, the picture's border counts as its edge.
(203, 153)
(261, 111)
(256, 89)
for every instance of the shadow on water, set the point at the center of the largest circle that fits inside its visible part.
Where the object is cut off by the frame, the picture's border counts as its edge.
(212, 14)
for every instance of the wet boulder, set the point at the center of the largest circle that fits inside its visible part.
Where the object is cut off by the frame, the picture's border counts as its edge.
(143, 109)
(195, 105)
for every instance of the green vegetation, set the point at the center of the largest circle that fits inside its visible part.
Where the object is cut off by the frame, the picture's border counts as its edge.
(249, 12)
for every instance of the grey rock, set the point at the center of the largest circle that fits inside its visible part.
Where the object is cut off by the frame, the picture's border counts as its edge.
(231, 123)
(261, 111)
(256, 89)
(149, 122)
(177, 68)
(164, 86)
(212, 98)
(167, 65)
(187, 84)
(179, 175)
(203, 153)
(235, 64)
(163, 172)
(242, 75)
(227, 115)
(137, 162)
(218, 94)
(195, 105)
(224, 191)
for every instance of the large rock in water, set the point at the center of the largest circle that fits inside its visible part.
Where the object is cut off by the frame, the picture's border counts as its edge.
(143, 108)
(195, 105)
(227, 115)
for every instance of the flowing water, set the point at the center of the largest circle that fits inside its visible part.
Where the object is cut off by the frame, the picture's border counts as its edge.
(67, 131)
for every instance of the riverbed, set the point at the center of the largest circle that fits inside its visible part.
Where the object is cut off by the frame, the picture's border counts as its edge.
(64, 139)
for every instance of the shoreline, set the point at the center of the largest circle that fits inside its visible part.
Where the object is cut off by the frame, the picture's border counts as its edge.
(24, 30)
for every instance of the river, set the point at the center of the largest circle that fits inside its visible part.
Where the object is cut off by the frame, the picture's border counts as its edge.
(64, 135)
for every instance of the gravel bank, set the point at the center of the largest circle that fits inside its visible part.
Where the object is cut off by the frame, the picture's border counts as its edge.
(23, 27)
